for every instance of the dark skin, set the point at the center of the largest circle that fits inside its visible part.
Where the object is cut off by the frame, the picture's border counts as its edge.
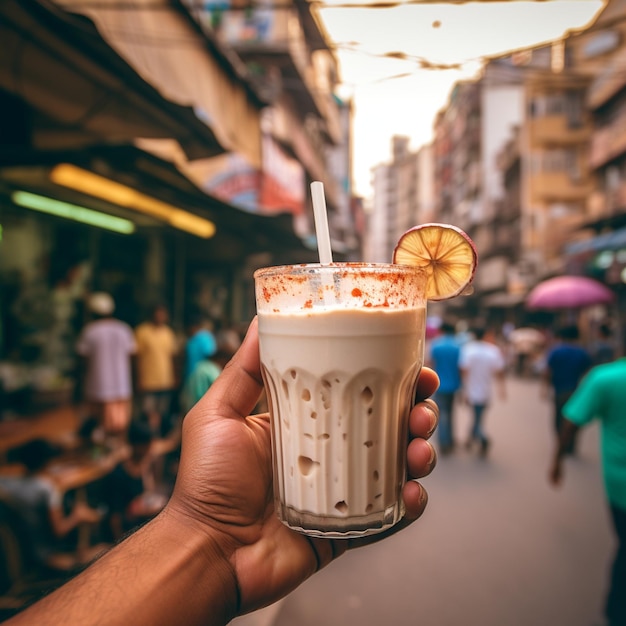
(218, 543)
(567, 435)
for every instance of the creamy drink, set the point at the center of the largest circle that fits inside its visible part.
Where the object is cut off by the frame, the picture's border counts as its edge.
(341, 349)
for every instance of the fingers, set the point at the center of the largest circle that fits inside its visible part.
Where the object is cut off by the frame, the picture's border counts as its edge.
(415, 500)
(427, 383)
(421, 458)
(237, 389)
(423, 419)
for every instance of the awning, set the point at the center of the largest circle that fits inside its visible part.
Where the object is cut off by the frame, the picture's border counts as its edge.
(160, 40)
(80, 90)
(238, 234)
(607, 241)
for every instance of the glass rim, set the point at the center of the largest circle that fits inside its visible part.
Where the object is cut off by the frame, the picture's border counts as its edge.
(332, 268)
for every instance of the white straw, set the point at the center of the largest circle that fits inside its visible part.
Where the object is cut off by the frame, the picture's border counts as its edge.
(321, 223)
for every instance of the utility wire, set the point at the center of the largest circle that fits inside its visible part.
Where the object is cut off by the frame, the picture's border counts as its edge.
(125, 5)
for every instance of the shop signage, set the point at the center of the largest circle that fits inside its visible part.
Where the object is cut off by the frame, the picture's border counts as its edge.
(277, 188)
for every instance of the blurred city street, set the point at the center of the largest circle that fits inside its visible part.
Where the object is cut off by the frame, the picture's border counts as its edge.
(497, 545)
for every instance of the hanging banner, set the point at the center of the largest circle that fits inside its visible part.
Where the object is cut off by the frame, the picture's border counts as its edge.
(282, 181)
(278, 188)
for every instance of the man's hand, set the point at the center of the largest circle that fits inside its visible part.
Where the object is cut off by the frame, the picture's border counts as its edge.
(217, 549)
(224, 485)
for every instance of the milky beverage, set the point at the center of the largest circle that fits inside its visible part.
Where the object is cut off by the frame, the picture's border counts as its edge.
(340, 369)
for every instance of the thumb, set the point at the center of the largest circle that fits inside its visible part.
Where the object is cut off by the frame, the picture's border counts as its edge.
(237, 389)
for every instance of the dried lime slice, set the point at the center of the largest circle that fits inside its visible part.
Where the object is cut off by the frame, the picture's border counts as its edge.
(446, 253)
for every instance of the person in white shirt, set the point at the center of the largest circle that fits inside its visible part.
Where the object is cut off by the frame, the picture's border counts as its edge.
(482, 365)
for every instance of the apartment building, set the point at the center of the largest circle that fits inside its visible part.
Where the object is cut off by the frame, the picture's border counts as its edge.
(287, 57)
(468, 134)
(600, 52)
(396, 198)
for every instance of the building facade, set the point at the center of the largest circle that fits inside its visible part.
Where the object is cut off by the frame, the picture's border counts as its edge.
(159, 172)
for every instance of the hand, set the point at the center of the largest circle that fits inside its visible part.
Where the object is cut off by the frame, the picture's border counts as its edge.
(556, 472)
(224, 486)
(84, 513)
(146, 504)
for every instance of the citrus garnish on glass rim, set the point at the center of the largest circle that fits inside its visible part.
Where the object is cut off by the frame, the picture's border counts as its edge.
(446, 253)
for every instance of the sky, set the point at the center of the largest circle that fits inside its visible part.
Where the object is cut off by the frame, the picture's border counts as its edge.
(397, 97)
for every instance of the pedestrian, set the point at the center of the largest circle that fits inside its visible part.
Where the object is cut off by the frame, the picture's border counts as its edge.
(41, 509)
(566, 363)
(444, 359)
(106, 346)
(603, 348)
(205, 373)
(482, 365)
(200, 344)
(601, 395)
(133, 493)
(157, 347)
(218, 549)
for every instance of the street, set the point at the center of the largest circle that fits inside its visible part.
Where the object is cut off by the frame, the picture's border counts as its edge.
(497, 545)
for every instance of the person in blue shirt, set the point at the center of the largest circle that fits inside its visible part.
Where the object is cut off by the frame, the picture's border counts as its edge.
(567, 362)
(444, 359)
(200, 345)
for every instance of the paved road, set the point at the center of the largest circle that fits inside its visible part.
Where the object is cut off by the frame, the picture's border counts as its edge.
(497, 545)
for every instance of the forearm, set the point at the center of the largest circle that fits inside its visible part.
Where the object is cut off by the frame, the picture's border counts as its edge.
(62, 524)
(165, 573)
(566, 437)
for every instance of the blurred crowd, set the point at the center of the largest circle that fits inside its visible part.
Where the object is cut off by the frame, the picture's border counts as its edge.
(583, 380)
(474, 360)
(67, 496)
(63, 500)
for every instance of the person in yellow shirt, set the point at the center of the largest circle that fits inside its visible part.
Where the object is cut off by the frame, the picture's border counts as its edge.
(157, 347)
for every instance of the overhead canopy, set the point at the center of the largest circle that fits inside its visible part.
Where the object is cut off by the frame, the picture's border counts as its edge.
(238, 234)
(163, 44)
(80, 90)
(607, 241)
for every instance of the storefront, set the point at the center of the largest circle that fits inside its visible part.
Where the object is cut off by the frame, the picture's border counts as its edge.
(49, 262)
(82, 208)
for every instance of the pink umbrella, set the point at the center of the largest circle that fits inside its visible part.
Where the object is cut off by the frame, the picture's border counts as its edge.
(568, 292)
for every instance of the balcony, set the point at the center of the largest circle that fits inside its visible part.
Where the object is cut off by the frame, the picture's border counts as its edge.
(492, 274)
(275, 37)
(509, 156)
(608, 83)
(298, 138)
(561, 232)
(606, 204)
(505, 242)
(557, 130)
(596, 207)
(558, 187)
(608, 142)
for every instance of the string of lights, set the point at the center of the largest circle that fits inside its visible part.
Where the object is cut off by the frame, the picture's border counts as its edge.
(159, 5)
(419, 63)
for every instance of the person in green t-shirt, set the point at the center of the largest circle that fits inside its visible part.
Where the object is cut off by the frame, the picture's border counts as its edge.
(602, 395)
(198, 382)
(205, 373)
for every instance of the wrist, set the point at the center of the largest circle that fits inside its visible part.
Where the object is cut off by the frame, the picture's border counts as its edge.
(207, 560)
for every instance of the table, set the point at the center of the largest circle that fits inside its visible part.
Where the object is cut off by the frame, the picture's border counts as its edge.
(55, 425)
(77, 470)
